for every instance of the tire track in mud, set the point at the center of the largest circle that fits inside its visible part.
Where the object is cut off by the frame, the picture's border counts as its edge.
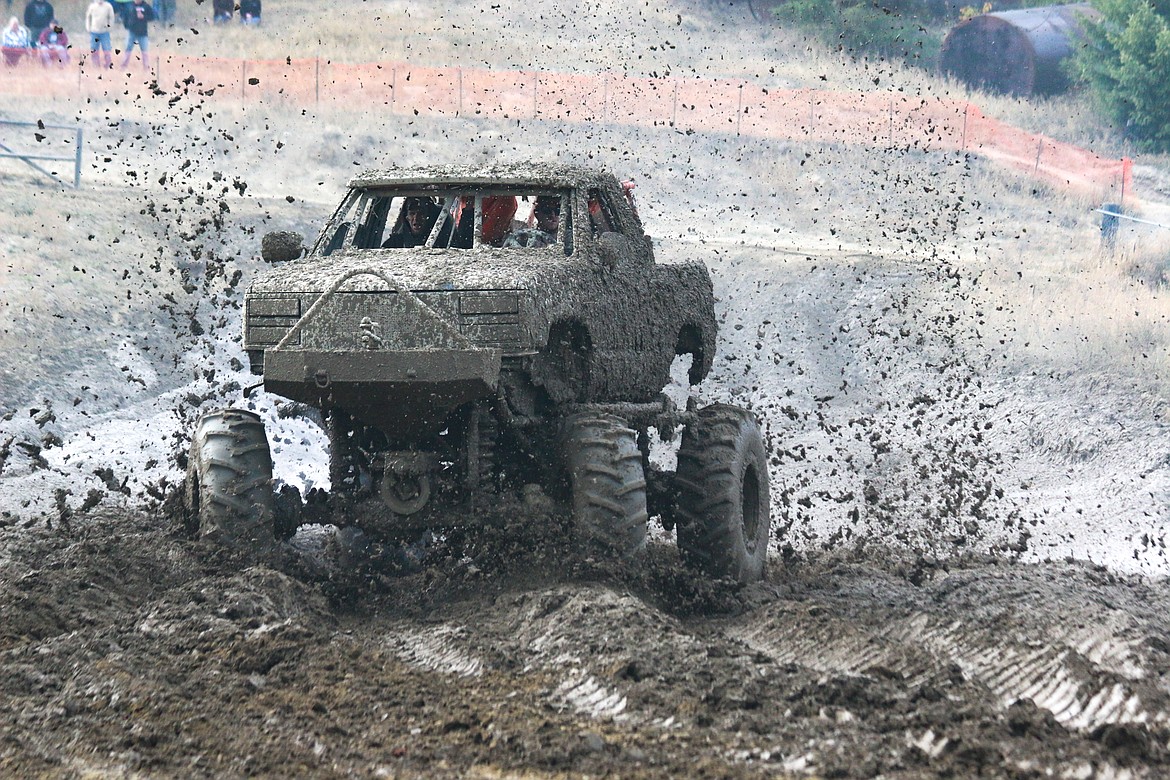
(186, 655)
(1058, 679)
(1085, 675)
(437, 649)
(548, 641)
(612, 658)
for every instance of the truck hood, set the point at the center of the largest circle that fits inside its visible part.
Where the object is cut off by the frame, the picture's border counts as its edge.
(433, 269)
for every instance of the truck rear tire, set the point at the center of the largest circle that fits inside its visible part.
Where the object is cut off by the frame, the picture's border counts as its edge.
(723, 508)
(228, 492)
(607, 482)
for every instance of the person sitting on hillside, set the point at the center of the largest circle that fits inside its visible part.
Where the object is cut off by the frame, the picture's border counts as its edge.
(38, 15)
(54, 45)
(15, 42)
(414, 224)
(249, 11)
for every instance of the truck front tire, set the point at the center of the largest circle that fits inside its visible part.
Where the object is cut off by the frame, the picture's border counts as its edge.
(607, 482)
(228, 492)
(724, 511)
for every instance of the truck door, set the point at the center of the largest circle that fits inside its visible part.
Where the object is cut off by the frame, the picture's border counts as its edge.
(619, 242)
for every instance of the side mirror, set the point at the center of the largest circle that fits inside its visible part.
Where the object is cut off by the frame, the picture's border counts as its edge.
(280, 246)
(612, 247)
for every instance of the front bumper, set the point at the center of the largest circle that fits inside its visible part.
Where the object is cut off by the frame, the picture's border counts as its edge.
(407, 393)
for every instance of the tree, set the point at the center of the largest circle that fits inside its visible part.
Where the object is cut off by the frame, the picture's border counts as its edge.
(1126, 62)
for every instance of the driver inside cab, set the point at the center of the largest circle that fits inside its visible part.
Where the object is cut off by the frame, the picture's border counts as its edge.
(414, 224)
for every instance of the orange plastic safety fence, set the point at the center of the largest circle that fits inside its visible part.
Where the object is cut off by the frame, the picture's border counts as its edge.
(882, 119)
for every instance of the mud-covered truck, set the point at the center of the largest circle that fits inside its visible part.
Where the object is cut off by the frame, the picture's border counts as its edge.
(468, 331)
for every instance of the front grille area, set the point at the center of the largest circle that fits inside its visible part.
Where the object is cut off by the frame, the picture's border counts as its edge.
(268, 319)
(486, 319)
(491, 319)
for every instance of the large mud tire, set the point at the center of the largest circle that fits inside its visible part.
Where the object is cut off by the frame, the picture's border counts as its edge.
(723, 514)
(607, 482)
(228, 492)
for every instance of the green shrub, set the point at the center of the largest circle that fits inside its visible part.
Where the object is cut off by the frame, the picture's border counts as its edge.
(862, 28)
(1126, 63)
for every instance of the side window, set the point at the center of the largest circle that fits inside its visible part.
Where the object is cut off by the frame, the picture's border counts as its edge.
(369, 233)
(337, 229)
(600, 214)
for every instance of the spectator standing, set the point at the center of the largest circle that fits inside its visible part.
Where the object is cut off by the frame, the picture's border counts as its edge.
(38, 14)
(250, 11)
(222, 10)
(120, 9)
(138, 16)
(54, 45)
(15, 42)
(99, 21)
(164, 12)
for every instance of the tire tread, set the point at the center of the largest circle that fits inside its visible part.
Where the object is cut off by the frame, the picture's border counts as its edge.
(608, 484)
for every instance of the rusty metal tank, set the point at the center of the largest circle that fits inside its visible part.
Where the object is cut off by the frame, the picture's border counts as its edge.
(1015, 52)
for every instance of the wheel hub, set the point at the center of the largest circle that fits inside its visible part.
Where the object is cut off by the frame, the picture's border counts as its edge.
(406, 481)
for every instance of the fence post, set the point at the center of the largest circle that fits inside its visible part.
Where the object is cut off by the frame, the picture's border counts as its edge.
(674, 108)
(966, 111)
(243, 77)
(1039, 148)
(535, 88)
(393, 88)
(459, 109)
(1126, 166)
(77, 161)
(739, 110)
(891, 121)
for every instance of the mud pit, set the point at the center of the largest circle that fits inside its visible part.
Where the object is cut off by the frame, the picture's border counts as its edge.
(128, 651)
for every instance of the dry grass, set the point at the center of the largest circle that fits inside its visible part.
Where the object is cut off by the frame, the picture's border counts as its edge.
(1055, 299)
(685, 39)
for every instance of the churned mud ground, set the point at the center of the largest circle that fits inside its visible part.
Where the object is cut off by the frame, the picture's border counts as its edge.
(129, 651)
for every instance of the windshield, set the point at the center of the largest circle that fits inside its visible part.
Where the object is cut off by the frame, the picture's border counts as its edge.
(456, 218)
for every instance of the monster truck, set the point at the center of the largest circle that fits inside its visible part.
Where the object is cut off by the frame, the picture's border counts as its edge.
(453, 356)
